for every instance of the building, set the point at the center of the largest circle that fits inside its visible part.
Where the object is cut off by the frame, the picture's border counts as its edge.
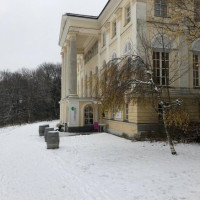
(89, 42)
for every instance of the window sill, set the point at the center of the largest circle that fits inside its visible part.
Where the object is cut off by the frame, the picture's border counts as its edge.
(167, 17)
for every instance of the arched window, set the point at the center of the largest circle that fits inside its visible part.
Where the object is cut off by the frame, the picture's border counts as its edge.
(161, 42)
(88, 114)
(114, 58)
(128, 48)
(196, 63)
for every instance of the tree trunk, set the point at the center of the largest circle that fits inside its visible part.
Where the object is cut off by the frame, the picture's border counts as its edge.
(173, 151)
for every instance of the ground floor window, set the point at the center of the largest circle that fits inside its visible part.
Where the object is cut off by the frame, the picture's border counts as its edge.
(196, 71)
(88, 113)
(160, 113)
(126, 112)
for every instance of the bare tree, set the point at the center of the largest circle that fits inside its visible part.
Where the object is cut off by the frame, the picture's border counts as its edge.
(180, 17)
(27, 96)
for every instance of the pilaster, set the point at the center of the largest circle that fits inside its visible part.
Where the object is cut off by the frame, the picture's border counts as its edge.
(118, 15)
(107, 27)
(139, 9)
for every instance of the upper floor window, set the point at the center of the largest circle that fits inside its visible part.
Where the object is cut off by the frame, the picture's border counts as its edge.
(161, 68)
(104, 39)
(128, 48)
(196, 70)
(127, 14)
(114, 29)
(197, 10)
(160, 8)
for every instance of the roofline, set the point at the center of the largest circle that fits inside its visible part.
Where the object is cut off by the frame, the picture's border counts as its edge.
(87, 16)
(81, 16)
(104, 9)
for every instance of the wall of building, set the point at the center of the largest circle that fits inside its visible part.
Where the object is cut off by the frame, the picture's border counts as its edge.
(141, 20)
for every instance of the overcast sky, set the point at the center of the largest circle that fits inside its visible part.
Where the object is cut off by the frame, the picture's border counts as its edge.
(29, 29)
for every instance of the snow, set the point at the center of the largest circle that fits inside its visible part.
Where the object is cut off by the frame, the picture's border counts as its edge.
(94, 167)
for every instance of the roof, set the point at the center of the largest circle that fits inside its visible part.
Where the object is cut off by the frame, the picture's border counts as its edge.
(87, 16)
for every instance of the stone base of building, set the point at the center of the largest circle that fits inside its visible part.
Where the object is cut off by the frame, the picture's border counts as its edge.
(139, 131)
(80, 129)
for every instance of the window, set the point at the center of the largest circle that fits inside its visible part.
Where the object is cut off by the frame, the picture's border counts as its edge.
(160, 8)
(114, 29)
(113, 112)
(128, 48)
(197, 10)
(126, 112)
(104, 39)
(114, 58)
(127, 15)
(160, 113)
(96, 88)
(88, 115)
(82, 87)
(161, 68)
(91, 83)
(196, 70)
(86, 85)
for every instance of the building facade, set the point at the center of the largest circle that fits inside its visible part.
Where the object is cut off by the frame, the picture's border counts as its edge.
(88, 43)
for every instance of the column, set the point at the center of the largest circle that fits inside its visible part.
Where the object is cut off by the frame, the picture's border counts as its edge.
(66, 69)
(72, 66)
(62, 75)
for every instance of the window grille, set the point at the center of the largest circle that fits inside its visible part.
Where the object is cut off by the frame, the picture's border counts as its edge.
(160, 8)
(196, 70)
(161, 68)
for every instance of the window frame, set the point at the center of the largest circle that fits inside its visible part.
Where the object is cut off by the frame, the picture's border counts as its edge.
(114, 58)
(126, 112)
(127, 14)
(160, 8)
(104, 39)
(158, 68)
(114, 29)
(128, 48)
(197, 10)
(196, 70)
(113, 112)
(87, 110)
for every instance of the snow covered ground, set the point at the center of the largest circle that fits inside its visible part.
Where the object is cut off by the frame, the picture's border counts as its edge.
(94, 167)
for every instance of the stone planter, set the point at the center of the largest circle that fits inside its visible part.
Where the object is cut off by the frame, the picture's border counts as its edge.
(53, 140)
(47, 129)
(42, 128)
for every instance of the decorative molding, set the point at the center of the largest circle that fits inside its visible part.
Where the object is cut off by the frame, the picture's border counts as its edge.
(118, 14)
(91, 53)
(107, 27)
(72, 36)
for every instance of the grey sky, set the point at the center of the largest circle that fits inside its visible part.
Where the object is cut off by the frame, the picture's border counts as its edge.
(29, 29)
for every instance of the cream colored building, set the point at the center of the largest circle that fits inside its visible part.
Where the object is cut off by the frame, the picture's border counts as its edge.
(89, 42)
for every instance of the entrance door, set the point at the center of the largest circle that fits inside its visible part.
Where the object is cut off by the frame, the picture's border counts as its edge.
(88, 113)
